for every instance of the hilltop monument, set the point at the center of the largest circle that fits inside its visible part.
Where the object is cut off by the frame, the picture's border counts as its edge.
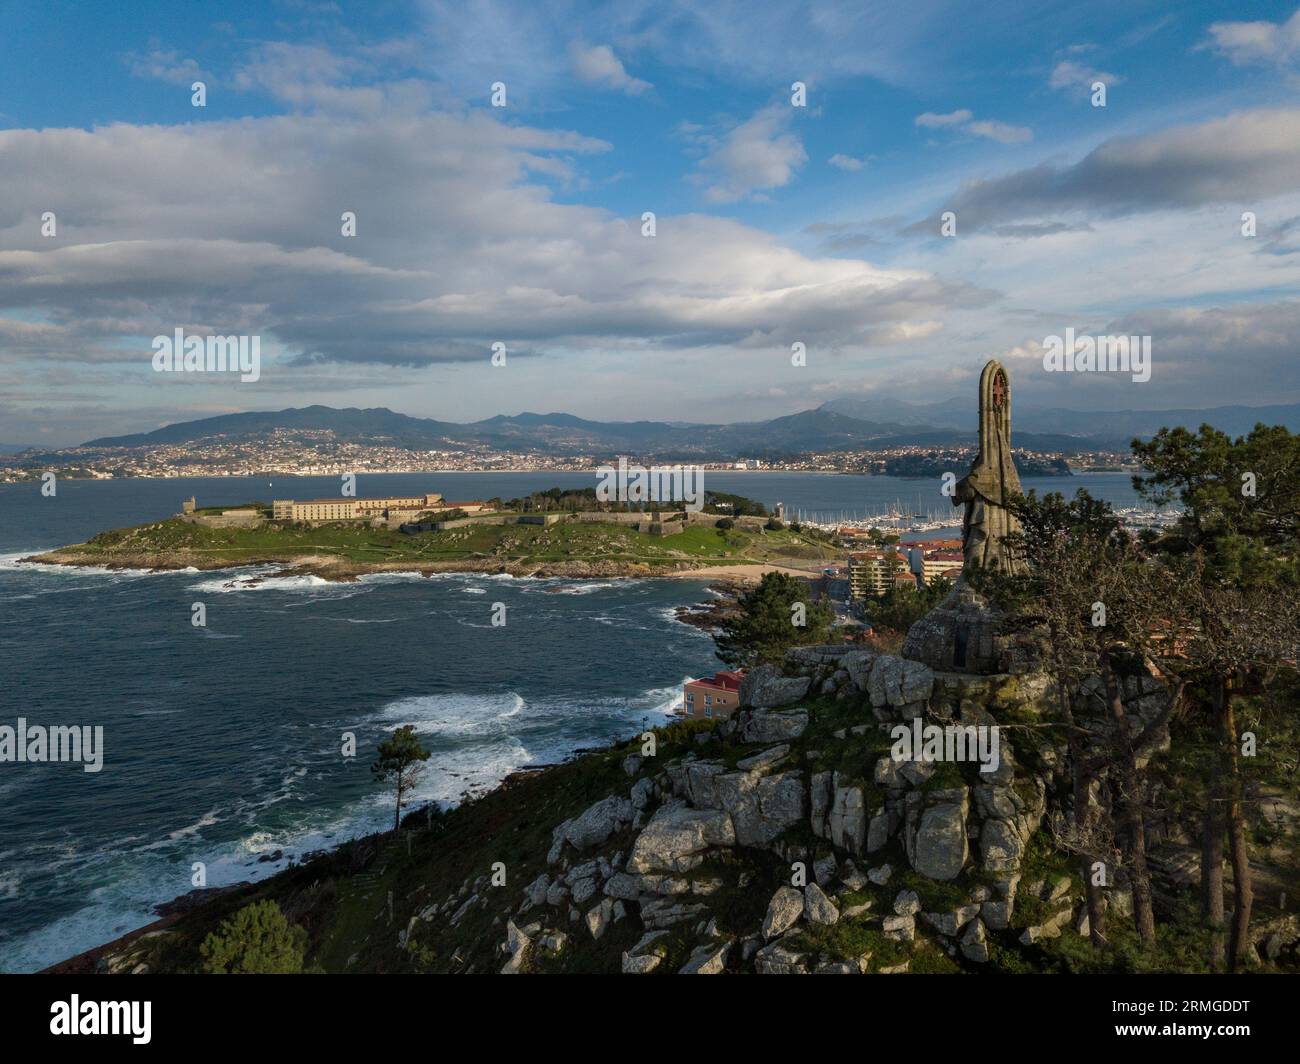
(964, 634)
(992, 481)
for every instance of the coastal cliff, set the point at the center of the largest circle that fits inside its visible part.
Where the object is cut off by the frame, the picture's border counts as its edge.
(788, 839)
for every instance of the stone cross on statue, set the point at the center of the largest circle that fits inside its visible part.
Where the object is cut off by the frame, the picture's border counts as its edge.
(992, 481)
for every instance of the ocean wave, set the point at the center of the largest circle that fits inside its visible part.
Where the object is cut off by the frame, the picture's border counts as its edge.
(263, 582)
(663, 699)
(400, 577)
(555, 586)
(207, 820)
(451, 714)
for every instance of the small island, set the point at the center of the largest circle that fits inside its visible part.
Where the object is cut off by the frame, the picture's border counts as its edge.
(557, 533)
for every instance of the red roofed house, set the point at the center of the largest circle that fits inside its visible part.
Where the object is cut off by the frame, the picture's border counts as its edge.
(712, 697)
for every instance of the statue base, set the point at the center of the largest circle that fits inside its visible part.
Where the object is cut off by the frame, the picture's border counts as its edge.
(965, 634)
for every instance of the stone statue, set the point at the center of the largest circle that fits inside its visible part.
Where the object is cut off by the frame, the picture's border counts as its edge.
(964, 633)
(992, 480)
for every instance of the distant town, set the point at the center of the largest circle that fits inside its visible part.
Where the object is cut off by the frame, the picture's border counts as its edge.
(320, 453)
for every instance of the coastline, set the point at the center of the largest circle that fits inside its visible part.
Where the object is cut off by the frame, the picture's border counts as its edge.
(99, 959)
(340, 570)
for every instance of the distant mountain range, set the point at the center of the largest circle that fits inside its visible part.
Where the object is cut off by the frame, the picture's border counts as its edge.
(838, 425)
(822, 429)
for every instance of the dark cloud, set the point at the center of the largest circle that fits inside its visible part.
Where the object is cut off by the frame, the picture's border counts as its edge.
(1244, 158)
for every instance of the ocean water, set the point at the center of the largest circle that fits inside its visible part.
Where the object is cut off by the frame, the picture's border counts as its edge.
(223, 744)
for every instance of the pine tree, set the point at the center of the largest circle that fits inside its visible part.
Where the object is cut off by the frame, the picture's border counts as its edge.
(769, 622)
(257, 940)
(401, 760)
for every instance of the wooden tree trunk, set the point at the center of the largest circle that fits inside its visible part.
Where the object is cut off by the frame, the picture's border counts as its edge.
(1131, 796)
(1084, 813)
(1084, 818)
(1212, 864)
(1238, 844)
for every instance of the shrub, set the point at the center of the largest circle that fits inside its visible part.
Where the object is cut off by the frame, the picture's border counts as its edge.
(257, 940)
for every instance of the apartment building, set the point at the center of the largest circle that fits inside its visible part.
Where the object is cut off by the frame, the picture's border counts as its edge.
(872, 572)
(941, 563)
(712, 697)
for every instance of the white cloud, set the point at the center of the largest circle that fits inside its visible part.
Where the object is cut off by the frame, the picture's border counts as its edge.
(964, 120)
(1246, 43)
(1001, 132)
(756, 156)
(233, 226)
(599, 65)
(930, 120)
(846, 162)
(1068, 75)
(162, 64)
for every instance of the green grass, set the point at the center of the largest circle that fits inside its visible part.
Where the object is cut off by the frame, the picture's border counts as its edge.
(561, 542)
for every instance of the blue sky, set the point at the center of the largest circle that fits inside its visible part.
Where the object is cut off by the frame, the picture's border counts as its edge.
(521, 224)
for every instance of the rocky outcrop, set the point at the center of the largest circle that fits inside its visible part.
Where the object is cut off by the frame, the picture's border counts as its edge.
(593, 827)
(516, 945)
(847, 821)
(702, 814)
(898, 687)
(783, 912)
(707, 960)
(817, 907)
(646, 955)
(936, 832)
(766, 687)
(762, 726)
(761, 808)
(676, 838)
(777, 958)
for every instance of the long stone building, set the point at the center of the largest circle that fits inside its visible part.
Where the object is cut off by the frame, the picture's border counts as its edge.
(345, 509)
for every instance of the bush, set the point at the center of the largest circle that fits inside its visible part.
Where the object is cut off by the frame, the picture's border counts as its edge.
(724, 523)
(773, 525)
(257, 940)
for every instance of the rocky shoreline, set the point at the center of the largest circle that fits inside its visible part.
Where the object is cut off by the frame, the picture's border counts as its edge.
(342, 570)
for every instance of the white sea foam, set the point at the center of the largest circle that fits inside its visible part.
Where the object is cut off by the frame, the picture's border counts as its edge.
(263, 582)
(207, 820)
(568, 587)
(452, 715)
